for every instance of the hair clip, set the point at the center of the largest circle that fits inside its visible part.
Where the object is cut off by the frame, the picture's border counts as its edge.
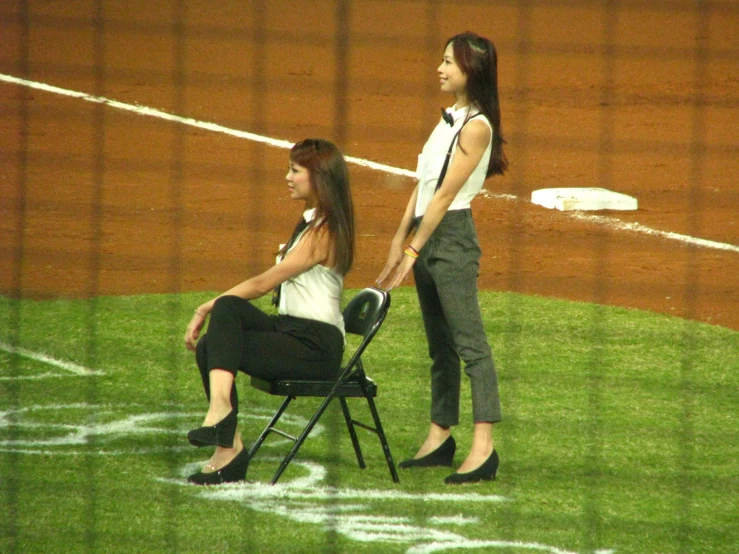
(446, 116)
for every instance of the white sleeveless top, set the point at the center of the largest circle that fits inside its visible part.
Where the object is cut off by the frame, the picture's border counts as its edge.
(432, 157)
(315, 293)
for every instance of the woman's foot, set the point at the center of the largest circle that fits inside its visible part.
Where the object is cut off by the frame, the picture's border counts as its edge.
(481, 449)
(223, 456)
(475, 459)
(220, 433)
(437, 436)
(442, 456)
(233, 471)
(482, 461)
(437, 450)
(484, 472)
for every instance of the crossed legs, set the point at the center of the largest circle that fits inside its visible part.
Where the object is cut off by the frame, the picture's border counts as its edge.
(243, 338)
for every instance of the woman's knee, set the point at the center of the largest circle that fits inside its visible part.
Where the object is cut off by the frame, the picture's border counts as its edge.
(479, 364)
(226, 305)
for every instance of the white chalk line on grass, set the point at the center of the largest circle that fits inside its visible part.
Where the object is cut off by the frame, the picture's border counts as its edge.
(71, 367)
(349, 512)
(60, 433)
(153, 112)
(363, 515)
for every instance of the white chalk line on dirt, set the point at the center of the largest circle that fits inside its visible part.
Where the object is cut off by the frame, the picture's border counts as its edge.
(637, 227)
(153, 112)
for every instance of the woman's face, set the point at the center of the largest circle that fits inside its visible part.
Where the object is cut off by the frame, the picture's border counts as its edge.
(450, 74)
(298, 181)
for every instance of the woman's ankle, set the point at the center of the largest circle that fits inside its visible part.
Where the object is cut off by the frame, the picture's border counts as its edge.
(437, 432)
(216, 414)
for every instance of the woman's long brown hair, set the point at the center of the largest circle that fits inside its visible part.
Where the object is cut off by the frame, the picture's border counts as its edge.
(477, 58)
(329, 177)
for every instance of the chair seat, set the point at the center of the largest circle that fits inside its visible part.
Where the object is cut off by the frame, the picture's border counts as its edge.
(349, 389)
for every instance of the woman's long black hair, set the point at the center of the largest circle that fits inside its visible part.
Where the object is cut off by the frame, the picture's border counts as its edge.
(477, 58)
(329, 177)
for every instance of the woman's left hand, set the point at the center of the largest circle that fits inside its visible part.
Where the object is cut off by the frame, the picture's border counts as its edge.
(193, 330)
(401, 272)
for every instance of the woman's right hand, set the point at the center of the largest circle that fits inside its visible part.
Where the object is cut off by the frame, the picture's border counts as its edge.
(393, 260)
(193, 330)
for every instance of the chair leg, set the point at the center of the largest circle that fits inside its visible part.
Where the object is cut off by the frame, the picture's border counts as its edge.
(383, 440)
(352, 432)
(270, 426)
(301, 439)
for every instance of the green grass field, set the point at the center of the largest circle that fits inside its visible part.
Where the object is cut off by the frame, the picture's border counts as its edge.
(620, 435)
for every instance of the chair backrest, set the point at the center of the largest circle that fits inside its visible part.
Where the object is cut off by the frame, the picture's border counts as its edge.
(363, 315)
(365, 312)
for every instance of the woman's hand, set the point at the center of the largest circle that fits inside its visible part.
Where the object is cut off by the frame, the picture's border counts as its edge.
(393, 260)
(401, 272)
(193, 330)
(397, 268)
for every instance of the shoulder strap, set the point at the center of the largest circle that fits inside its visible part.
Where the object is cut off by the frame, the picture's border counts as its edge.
(449, 155)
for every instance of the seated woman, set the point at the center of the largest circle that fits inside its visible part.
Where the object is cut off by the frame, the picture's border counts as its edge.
(306, 338)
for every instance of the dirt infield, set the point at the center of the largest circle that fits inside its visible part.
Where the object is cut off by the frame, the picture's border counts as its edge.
(98, 200)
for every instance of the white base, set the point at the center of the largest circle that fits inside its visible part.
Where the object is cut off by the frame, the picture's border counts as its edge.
(594, 198)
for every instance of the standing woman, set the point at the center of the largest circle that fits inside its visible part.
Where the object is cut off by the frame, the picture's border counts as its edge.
(463, 150)
(306, 338)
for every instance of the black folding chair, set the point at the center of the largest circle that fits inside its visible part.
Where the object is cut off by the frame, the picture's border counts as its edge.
(362, 316)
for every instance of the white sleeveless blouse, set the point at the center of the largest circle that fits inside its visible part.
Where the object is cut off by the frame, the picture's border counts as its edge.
(315, 293)
(432, 157)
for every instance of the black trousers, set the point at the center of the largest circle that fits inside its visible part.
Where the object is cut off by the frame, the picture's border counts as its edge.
(241, 337)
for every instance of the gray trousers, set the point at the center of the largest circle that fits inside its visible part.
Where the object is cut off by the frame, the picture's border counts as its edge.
(446, 273)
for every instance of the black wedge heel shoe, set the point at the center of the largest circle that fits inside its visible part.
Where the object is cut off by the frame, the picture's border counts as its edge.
(233, 471)
(220, 434)
(442, 456)
(486, 472)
